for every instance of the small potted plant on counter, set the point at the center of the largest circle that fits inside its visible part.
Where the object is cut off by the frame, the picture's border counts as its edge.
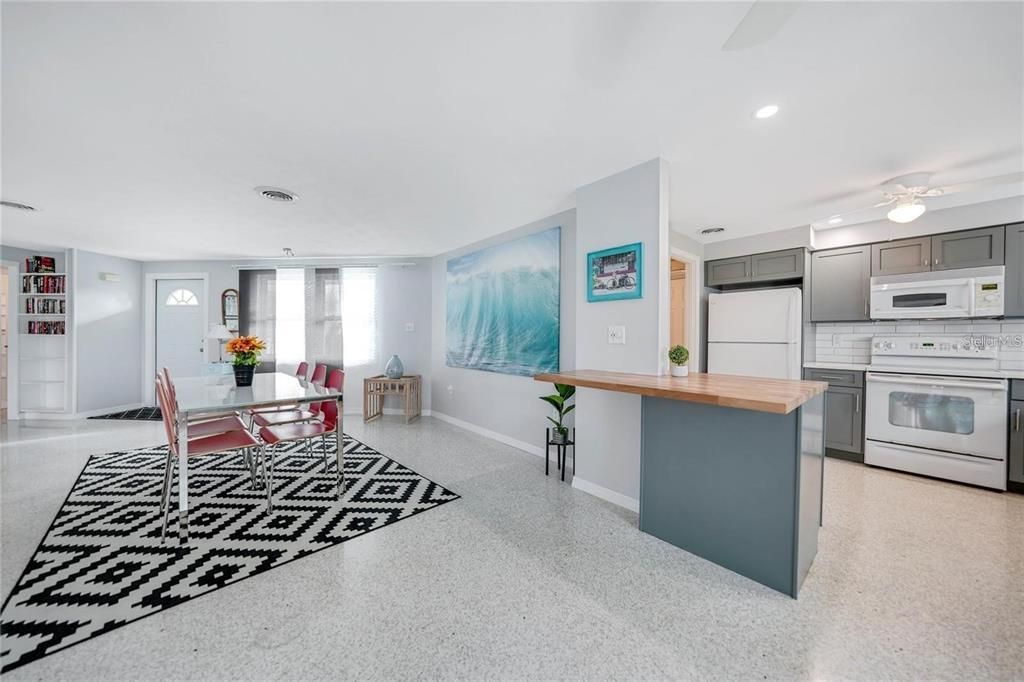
(559, 401)
(678, 356)
(245, 355)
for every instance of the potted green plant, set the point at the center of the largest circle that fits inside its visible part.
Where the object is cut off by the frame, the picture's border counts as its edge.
(678, 356)
(560, 401)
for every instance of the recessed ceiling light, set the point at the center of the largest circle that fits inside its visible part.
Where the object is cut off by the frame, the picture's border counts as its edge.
(15, 204)
(277, 194)
(766, 111)
(712, 230)
(835, 220)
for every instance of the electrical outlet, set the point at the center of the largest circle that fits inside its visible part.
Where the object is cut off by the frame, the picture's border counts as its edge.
(410, 327)
(617, 334)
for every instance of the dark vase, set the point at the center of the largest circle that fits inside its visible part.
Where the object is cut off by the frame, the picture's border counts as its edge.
(243, 374)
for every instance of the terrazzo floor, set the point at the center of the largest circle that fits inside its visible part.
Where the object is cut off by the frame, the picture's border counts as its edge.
(525, 577)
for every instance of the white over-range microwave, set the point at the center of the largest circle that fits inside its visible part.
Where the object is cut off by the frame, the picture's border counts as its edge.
(970, 292)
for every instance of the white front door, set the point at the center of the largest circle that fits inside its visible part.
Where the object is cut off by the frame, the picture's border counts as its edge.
(180, 332)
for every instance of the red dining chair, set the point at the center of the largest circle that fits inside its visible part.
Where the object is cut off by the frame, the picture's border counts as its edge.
(300, 374)
(172, 393)
(207, 426)
(290, 416)
(237, 439)
(303, 431)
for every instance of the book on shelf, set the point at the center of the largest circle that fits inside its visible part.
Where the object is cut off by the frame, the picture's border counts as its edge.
(44, 284)
(38, 328)
(40, 264)
(45, 306)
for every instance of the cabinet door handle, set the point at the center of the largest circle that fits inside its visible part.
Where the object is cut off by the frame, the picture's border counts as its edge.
(1016, 421)
(925, 263)
(829, 376)
(936, 262)
(856, 406)
(865, 306)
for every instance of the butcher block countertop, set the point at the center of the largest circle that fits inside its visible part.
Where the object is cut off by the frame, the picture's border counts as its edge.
(779, 396)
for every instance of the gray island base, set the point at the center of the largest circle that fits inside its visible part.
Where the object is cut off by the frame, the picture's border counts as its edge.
(731, 468)
(737, 487)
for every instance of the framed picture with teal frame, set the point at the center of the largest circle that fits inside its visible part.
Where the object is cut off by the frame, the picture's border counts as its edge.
(616, 274)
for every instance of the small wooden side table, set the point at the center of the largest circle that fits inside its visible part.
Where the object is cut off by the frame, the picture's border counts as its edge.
(377, 387)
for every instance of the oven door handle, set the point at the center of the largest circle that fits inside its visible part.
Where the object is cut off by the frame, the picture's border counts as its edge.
(992, 385)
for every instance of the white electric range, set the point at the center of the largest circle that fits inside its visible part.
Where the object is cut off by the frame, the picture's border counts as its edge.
(932, 407)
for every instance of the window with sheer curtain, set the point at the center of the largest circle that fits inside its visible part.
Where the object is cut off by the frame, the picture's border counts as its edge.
(326, 315)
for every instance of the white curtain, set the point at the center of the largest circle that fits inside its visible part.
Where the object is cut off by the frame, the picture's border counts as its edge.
(359, 313)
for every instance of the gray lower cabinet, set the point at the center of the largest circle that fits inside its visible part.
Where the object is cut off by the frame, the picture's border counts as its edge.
(844, 412)
(968, 249)
(1016, 463)
(902, 256)
(777, 265)
(1015, 270)
(728, 271)
(840, 284)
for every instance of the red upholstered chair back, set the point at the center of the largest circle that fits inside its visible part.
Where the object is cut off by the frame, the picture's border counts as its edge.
(303, 371)
(167, 407)
(319, 374)
(329, 414)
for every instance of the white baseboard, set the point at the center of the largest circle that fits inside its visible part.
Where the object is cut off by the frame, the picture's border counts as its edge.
(607, 495)
(493, 435)
(387, 410)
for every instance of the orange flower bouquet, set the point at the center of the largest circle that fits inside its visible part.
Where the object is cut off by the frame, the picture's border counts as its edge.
(245, 351)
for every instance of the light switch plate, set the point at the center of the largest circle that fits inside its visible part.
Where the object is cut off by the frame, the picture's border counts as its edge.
(617, 334)
(410, 327)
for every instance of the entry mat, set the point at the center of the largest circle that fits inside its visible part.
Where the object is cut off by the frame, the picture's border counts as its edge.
(143, 413)
(101, 564)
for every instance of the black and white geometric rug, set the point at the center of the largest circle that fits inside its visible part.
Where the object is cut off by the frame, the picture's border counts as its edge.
(143, 413)
(101, 564)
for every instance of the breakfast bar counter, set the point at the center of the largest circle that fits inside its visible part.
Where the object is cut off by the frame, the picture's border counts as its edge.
(730, 467)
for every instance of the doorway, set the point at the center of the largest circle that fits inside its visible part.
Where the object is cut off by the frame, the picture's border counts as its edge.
(180, 326)
(684, 301)
(678, 327)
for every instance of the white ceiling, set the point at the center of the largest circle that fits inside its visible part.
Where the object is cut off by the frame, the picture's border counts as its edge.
(140, 129)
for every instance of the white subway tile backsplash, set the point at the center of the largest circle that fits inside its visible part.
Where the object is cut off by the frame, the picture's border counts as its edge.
(852, 342)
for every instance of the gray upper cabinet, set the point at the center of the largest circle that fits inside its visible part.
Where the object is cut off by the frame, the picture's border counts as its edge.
(1015, 270)
(777, 265)
(728, 271)
(900, 257)
(968, 249)
(840, 284)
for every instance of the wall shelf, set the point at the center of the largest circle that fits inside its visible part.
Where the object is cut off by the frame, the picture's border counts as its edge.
(44, 360)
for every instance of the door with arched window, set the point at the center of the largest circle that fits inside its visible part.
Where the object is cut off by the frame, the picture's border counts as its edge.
(179, 326)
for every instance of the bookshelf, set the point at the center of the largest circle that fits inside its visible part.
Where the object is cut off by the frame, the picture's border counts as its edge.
(43, 311)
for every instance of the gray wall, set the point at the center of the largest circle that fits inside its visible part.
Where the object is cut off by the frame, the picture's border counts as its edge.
(223, 275)
(108, 331)
(627, 207)
(792, 238)
(504, 404)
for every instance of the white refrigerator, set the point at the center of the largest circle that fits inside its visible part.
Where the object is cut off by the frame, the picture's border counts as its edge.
(755, 333)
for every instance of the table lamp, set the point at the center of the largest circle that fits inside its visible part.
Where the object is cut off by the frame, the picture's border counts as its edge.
(221, 334)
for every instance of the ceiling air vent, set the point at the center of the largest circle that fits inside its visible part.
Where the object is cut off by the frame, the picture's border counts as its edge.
(15, 204)
(712, 230)
(277, 194)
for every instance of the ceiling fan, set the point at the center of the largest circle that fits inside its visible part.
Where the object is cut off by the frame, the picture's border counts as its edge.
(906, 196)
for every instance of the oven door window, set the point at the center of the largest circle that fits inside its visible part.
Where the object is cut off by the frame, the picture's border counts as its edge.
(930, 412)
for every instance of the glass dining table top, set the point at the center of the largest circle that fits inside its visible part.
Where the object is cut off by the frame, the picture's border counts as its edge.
(219, 393)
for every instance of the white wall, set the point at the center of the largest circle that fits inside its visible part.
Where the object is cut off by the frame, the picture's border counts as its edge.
(222, 275)
(403, 296)
(630, 206)
(504, 405)
(108, 332)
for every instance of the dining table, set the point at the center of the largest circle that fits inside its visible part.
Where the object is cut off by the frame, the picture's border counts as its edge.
(209, 395)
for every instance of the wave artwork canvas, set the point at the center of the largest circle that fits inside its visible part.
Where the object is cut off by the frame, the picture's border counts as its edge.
(503, 306)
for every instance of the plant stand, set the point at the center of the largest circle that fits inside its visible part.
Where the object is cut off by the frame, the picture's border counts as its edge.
(559, 453)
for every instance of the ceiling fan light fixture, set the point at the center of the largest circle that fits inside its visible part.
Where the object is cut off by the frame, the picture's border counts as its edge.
(906, 211)
(767, 111)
